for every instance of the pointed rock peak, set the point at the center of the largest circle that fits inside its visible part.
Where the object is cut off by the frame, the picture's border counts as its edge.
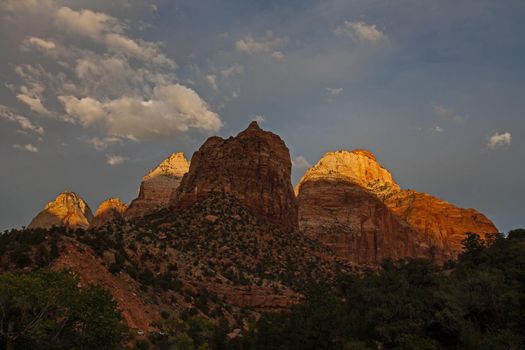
(176, 164)
(358, 166)
(111, 204)
(254, 126)
(68, 209)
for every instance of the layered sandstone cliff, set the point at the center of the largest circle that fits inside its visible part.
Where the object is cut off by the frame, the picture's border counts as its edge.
(111, 210)
(349, 201)
(68, 209)
(157, 186)
(254, 166)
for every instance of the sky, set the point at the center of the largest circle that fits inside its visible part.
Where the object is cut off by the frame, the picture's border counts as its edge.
(95, 93)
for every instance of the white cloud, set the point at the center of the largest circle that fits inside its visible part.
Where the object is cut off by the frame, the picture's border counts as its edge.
(27, 147)
(235, 69)
(212, 80)
(334, 91)
(87, 23)
(500, 140)
(34, 104)
(359, 30)
(41, 44)
(278, 55)
(115, 160)
(172, 108)
(438, 129)
(267, 43)
(101, 144)
(300, 162)
(23, 122)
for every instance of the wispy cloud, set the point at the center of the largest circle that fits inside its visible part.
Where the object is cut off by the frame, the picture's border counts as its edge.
(23, 122)
(115, 160)
(300, 162)
(334, 91)
(497, 140)
(447, 114)
(269, 43)
(359, 30)
(27, 147)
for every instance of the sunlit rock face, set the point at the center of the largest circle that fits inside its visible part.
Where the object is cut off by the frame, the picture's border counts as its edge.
(359, 167)
(254, 166)
(67, 210)
(444, 223)
(350, 202)
(157, 186)
(111, 210)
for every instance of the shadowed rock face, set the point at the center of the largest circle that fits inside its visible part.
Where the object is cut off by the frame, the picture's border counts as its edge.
(68, 209)
(254, 166)
(157, 186)
(112, 209)
(349, 201)
(355, 223)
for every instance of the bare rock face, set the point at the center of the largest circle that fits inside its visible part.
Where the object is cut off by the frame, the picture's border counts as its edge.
(254, 166)
(112, 209)
(350, 202)
(359, 167)
(443, 222)
(67, 210)
(157, 186)
(346, 217)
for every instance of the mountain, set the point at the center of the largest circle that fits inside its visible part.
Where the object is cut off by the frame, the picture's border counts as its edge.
(254, 166)
(157, 186)
(112, 209)
(348, 200)
(68, 209)
(340, 205)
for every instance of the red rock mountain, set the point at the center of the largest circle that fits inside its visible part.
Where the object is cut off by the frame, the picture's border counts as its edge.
(350, 202)
(112, 209)
(254, 166)
(157, 186)
(68, 209)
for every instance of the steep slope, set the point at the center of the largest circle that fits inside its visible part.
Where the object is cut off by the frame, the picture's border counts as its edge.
(68, 209)
(338, 207)
(254, 166)
(112, 209)
(445, 223)
(157, 186)
(349, 200)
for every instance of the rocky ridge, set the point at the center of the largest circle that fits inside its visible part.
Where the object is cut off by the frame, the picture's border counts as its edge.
(112, 209)
(68, 209)
(254, 166)
(157, 186)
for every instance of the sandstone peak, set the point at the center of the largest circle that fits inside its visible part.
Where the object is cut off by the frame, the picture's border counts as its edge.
(68, 209)
(175, 165)
(254, 167)
(359, 167)
(157, 186)
(112, 209)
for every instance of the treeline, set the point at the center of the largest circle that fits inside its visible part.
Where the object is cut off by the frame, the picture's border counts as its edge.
(477, 302)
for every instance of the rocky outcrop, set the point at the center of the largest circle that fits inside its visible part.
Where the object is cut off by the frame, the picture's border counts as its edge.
(111, 210)
(157, 186)
(346, 217)
(68, 209)
(444, 223)
(351, 203)
(254, 166)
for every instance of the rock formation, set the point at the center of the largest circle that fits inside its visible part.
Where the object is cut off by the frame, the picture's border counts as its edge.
(67, 210)
(337, 207)
(157, 186)
(254, 166)
(444, 223)
(350, 202)
(112, 209)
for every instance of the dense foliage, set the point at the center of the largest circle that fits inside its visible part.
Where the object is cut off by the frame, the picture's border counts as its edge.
(478, 303)
(47, 310)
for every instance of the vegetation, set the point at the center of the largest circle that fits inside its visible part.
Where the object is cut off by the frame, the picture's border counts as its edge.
(479, 303)
(46, 310)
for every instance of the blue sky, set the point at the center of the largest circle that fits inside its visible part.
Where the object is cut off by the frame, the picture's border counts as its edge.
(96, 93)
